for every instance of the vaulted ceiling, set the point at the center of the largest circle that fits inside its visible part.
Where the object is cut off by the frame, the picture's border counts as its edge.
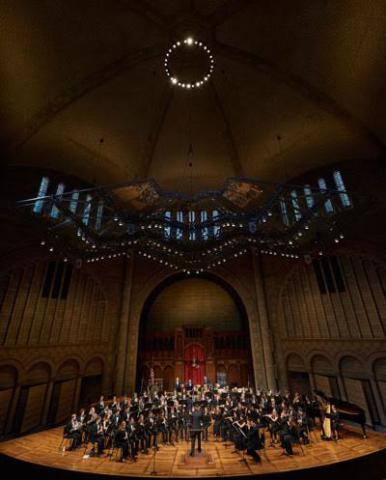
(297, 85)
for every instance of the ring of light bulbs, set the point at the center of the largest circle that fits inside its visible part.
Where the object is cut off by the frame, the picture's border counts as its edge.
(189, 42)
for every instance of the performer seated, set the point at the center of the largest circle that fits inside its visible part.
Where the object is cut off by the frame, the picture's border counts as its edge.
(97, 437)
(196, 423)
(206, 418)
(286, 437)
(73, 431)
(122, 440)
(253, 440)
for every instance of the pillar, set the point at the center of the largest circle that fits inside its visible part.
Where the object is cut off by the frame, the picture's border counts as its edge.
(378, 401)
(12, 410)
(123, 330)
(264, 323)
(47, 403)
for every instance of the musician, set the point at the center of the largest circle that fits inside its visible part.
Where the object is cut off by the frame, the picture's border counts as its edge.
(335, 424)
(73, 430)
(122, 440)
(273, 426)
(97, 437)
(133, 439)
(286, 437)
(152, 429)
(240, 437)
(217, 417)
(302, 426)
(100, 406)
(206, 419)
(253, 441)
(172, 426)
(177, 385)
(196, 423)
(114, 404)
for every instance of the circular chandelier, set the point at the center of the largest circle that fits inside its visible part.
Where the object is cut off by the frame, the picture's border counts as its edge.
(188, 43)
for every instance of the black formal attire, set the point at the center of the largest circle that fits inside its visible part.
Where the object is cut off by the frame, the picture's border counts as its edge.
(253, 443)
(122, 441)
(195, 431)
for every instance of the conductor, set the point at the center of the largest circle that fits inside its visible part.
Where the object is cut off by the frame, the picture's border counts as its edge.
(196, 423)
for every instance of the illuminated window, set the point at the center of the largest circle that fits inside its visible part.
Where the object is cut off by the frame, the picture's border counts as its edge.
(74, 201)
(295, 205)
(38, 207)
(216, 228)
(168, 228)
(284, 213)
(344, 198)
(179, 231)
(87, 210)
(308, 196)
(192, 230)
(54, 210)
(99, 215)
(328, 206)
(204, 230)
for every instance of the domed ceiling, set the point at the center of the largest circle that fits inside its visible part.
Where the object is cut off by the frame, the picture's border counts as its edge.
(294, 87)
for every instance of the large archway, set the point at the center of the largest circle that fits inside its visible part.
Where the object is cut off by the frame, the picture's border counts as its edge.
(199, 326)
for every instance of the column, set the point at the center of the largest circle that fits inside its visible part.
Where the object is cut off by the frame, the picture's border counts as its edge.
(47, 403)
(12, 410)
(123, 331)
(378, 401)
(264, 323)
(77, 393)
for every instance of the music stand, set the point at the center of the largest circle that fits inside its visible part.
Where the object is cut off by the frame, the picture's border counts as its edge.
(154, 471)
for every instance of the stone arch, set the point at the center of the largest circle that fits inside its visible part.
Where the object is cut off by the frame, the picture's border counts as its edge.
(69, 368)
(94, 366)
(321, 364)
(295, 362)
(351, 367)
(246, 294)
(39, 372)
(9, 376)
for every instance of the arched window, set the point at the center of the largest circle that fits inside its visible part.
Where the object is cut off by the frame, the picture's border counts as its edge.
(328, 206)
(168, 228)
(344, 198)
(204, 230)
(192, 230)
(54, 210)
(43, 188)
(295, 205)
(87, 210)
(308, 196)
(99, 215)
(216, 228)
(284, 213)
(179, 231)
(74, 201)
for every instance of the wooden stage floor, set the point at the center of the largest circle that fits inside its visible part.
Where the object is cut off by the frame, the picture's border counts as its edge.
(43, 449)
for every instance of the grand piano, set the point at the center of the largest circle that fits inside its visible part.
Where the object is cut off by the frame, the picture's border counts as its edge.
(347, 411)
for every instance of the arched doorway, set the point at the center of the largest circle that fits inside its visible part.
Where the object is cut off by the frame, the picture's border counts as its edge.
(194, 364)
(193, 324)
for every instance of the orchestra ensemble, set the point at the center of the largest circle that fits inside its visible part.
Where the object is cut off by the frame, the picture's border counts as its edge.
(247, 419)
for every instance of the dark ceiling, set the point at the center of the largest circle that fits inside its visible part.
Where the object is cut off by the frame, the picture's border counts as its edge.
(297, 85)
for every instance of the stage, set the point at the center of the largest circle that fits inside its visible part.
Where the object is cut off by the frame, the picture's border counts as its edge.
(351, 456)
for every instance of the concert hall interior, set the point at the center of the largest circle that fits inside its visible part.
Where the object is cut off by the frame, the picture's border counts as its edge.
(192, 247)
